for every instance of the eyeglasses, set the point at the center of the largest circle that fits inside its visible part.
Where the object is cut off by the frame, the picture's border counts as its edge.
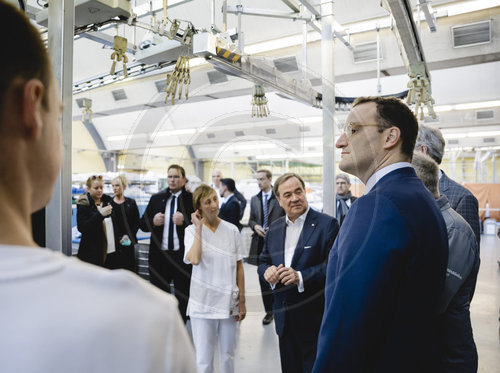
(93, 177)
(351, 128)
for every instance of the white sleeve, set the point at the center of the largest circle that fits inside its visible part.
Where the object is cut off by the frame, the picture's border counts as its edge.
(188, 241)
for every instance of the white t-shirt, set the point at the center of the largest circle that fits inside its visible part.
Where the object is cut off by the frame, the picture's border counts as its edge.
(59, 314)
(213, 280)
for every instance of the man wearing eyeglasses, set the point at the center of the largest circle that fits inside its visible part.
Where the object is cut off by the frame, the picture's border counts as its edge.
(387, 267)
(167, 216)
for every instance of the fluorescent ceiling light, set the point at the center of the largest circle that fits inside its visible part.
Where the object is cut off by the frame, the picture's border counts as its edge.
(467, 106)
(468, 6)
(449, 136)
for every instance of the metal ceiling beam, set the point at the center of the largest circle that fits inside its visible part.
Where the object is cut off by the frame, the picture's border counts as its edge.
(105, 39)
(240, 9)
(293, 5)
(310, 7)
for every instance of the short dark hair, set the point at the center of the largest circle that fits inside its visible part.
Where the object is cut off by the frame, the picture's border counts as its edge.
(231, 185)
(392, 112)
(28, 58)
(268, 173)
(178, 168)
(284, 178)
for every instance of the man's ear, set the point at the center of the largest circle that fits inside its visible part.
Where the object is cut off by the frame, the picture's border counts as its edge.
(392, 138)
(32, 95)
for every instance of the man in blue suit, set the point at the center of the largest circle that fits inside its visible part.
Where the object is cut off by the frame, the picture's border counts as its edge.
(293, 262)
(387, 268)
(230, 208)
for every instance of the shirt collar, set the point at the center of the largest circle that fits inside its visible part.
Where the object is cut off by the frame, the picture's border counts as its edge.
(176, 194)
(300, 219)
(382, 172)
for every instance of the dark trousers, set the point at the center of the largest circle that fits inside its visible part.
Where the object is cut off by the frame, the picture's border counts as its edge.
(297, 351)
(123, 257)
(267, 295)
(166, 266)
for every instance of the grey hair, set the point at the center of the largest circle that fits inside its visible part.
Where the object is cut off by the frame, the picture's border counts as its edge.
(343, 176)
(428, 171)
(433, 139)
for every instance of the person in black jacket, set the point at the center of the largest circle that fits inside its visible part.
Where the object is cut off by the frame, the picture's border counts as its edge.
(125, 226)
(91, 210)
(230, 209)
(167, 215)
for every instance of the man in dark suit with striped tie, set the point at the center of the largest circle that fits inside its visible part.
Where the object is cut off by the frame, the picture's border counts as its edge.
(264, 209)
(167, 215)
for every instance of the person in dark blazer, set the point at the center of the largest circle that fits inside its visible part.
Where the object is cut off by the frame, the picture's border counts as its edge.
(264, 210)
(458, 349)
(125, 226)
(344, 199)
(230, 208)
(91, 210)
(216, 184)
(293, 262)
(167, 215)
(387, 268)
(430, 141)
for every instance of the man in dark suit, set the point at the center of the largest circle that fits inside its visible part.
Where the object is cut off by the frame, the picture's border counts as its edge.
(293, 262)
(230, 208)
(167, 215)
(216, 184)
(387, 268)
(344, 198)
(430, 141)
(264, 210)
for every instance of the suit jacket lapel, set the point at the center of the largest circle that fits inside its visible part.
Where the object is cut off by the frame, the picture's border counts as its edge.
(310, 225)
(280, 245)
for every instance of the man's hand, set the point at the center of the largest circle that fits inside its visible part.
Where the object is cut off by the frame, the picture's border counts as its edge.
(271, 274)
(159, 219)
(178, 218)
(288, 276)
(259, 230)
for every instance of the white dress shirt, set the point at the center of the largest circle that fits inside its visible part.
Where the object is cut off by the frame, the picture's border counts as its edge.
(292, 235)
(164, 242)
(382, 172)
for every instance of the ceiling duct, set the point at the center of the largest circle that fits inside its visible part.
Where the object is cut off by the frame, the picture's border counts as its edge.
(485, 115)
(366, 52)
(239, 133)
(119, 94)
(216, 77)
(453, 142)
(270, 131)
(471, 34)
(286, 64)
(489, 140)
(211, 135)
(92, 11)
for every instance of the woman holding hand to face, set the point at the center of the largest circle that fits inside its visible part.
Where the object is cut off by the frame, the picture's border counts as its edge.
(217, 293)
(91, 210)
(125, 226)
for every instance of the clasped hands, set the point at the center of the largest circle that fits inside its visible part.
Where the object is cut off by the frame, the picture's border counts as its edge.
(285, 275)
(159, 219)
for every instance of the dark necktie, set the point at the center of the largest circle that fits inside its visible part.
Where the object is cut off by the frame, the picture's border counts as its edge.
(265, 212)
(171, 224)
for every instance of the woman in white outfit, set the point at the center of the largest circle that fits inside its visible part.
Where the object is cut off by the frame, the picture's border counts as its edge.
(217, 294)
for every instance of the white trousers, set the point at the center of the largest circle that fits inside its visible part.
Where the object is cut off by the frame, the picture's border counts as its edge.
(206, 334)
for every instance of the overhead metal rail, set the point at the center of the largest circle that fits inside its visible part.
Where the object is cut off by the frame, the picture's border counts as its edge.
(410, 45)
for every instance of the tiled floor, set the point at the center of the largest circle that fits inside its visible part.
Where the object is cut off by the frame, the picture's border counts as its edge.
(258, 345)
